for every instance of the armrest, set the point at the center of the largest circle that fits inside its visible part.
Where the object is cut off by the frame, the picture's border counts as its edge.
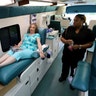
(36, 53)
(82, 76)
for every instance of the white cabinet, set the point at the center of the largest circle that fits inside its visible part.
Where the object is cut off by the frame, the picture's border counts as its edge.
(34, 76)
(24, 90)
(38, 70)
(53, 42)
(20, 89)
(55, 47)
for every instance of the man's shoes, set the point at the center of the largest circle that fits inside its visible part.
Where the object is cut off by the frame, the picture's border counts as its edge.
(61, 79)
(71, 87)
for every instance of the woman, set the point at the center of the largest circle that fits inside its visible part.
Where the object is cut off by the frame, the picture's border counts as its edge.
(25, 48)
(77, 39)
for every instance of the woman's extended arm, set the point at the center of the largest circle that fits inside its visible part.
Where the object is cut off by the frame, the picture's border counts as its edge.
(69, 41)
(18, 45)
(83, 46)
(40, 48)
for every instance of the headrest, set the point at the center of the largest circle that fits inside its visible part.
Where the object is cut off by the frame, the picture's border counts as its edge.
(42, 32)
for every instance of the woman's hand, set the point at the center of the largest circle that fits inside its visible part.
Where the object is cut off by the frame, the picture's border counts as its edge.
(16, 46)
(69, 41)
(75, 47)
(42, 54)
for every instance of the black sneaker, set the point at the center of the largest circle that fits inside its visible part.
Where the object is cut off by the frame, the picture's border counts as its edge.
(61, 79)
(71, 87)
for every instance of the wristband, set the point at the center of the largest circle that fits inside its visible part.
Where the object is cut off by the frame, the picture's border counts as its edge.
(80, 46)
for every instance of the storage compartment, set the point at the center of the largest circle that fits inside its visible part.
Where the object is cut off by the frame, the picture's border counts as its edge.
(53, 43)
(21, 89)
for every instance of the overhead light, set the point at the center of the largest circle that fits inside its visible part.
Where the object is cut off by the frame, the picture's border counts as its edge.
(6, 2)
(37, 3)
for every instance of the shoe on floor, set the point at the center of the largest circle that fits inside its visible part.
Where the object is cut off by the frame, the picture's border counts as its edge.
(61, 79)
(71, 87)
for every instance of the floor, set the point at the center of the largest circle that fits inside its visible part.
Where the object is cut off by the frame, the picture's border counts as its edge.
(50, 86)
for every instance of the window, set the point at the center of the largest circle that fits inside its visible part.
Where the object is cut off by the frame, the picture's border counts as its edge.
(89, 16)
(6, 2)
(9, 36)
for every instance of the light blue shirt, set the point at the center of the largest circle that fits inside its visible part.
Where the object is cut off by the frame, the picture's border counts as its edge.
(30, 41)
